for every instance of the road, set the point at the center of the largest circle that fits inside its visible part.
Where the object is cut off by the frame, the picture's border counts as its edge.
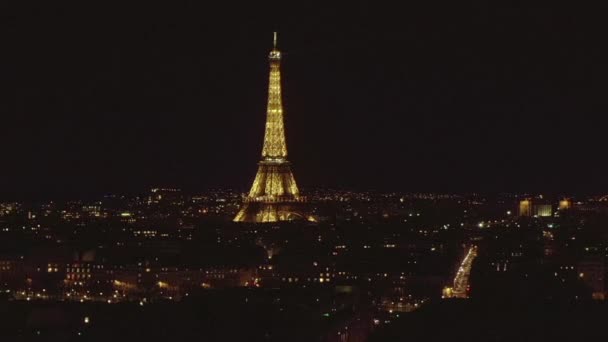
(461, 281)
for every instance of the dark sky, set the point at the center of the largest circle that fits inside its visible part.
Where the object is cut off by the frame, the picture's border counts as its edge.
(441, 96)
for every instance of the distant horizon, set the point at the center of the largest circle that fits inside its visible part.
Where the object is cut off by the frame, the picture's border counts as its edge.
(93, 196)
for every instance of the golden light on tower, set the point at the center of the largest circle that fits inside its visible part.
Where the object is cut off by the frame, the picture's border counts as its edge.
(274, 195)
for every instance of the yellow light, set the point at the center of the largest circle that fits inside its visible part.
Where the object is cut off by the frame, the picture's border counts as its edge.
(274, 182)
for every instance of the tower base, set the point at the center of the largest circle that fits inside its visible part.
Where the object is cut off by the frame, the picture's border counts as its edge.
(259, 212)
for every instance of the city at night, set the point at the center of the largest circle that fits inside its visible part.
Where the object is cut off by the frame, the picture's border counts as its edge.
(331, 172)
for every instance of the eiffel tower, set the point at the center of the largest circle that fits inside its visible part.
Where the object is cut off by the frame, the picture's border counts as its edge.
(274, 195)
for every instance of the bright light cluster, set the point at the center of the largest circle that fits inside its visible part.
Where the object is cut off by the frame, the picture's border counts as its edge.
(274, 184)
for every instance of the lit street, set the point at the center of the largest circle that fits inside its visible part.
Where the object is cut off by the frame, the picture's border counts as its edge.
(461, 281)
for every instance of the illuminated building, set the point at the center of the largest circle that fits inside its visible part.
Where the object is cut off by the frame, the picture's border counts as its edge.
(565, 204)
(592, 271)
(274, 195)
(525, 207)
(529, 209)
(167, 194)
(543, 210)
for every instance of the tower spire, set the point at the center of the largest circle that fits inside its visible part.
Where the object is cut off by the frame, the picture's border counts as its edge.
(274, 137)
(274, 40)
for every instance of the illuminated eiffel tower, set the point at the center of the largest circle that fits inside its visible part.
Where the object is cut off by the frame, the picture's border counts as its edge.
(274, 195)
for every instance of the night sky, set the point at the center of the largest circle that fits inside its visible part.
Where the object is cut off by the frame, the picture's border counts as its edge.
(420, 97)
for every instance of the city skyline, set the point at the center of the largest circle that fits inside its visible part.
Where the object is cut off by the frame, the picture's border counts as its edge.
(439, 106)
(362, 272)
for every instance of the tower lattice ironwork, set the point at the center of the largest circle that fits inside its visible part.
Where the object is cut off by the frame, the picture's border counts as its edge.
(274, 195)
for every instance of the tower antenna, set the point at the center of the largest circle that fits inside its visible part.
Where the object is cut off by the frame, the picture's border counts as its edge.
(274, 40)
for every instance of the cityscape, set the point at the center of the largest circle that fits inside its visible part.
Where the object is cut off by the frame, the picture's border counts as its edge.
(368, 261)
(387, 215)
